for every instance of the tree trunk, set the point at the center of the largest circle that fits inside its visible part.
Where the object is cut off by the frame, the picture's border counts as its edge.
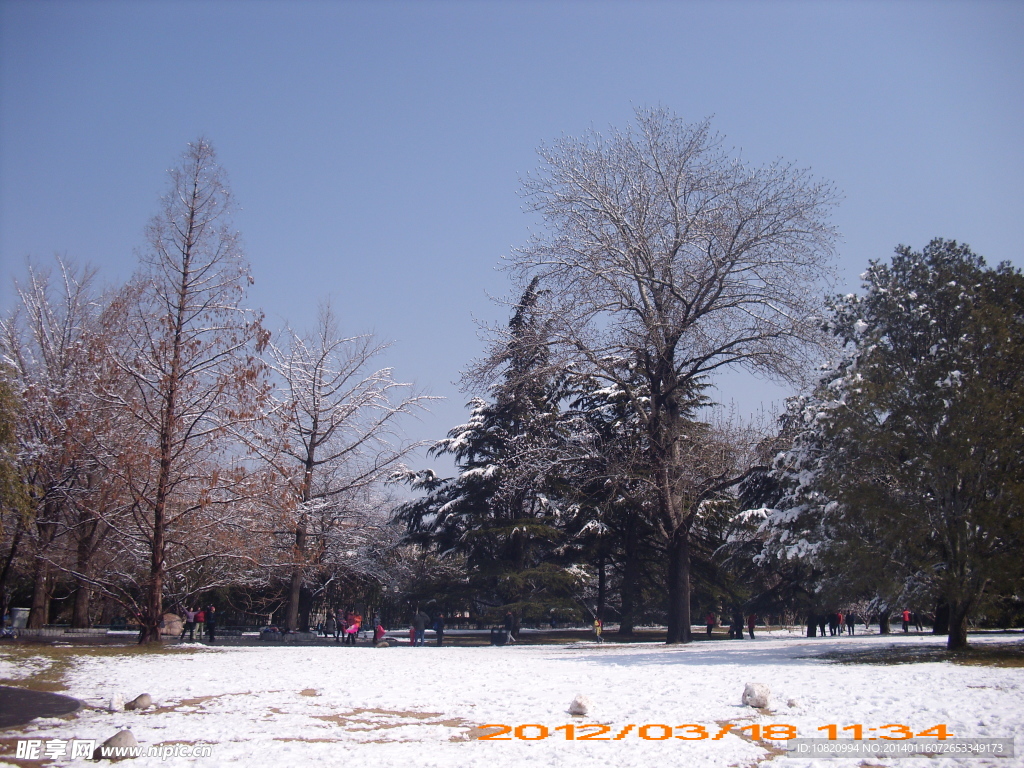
(40, 613)
(153, 613)
(107, 610)
(80, 609)
(83, 592)
(883, 624)
(957, 637)
(291, 620)
(812, 625)
(679, 587)
(941, 624)
(5, 573)
(602, 586)
(630, 578)
(306, 608)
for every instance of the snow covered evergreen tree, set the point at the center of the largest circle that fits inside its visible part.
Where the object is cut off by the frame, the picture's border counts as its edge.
(497, 512)
(908, 475)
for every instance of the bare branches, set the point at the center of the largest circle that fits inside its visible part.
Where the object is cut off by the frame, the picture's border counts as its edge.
(330, 439)
(659, 241)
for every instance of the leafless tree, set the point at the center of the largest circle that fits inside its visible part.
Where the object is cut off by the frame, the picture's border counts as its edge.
(331, 439)
(665, 254)
(50, 344)
(188, 346)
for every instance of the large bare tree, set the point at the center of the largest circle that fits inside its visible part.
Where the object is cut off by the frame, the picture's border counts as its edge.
(665, 255)
(189, 348)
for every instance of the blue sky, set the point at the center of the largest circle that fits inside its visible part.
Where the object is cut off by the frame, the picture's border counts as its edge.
(375, 148)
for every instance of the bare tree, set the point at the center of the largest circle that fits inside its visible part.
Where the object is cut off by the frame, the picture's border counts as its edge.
(188, 347)
(665, 255)
(332, 439)
(49, 344)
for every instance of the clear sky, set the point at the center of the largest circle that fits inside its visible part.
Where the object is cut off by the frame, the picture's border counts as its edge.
(375, 148)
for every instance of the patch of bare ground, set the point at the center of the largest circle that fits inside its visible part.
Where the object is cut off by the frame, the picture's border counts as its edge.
(988, 655)
(368, 720)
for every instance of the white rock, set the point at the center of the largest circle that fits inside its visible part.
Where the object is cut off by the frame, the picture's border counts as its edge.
(793, 703)
(580, 705)
(116, 703)
(756, 695)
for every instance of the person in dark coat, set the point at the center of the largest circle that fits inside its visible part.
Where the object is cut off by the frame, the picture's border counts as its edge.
(211, 623)
(736, 630)
(439, 629)
(510, 624)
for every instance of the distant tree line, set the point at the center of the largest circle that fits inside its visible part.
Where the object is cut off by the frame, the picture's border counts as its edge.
(160, 446)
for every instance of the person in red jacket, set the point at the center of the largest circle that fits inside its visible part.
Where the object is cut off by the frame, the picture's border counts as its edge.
(751, 623)
(710, 622)
(906, 621)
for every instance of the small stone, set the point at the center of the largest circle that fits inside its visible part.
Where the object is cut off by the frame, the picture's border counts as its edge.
(756, 695)
(141, 701)
(116, 703)
(792, 703)
(580, 705)
(119, 739)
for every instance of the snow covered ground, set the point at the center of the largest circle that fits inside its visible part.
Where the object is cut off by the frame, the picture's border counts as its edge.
(293, 706)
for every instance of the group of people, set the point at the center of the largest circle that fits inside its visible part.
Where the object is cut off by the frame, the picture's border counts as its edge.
(418, 628)
(911, 618)
(343, 626)
(839, 621)
(202, 620)
(735, 625)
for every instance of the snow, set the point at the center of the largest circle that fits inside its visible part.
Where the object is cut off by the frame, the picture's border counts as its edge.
(294, 706)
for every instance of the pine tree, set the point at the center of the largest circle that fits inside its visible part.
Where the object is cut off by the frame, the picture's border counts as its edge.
(497, 513)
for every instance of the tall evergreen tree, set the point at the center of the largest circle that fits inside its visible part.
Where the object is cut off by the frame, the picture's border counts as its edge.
(497, 512)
